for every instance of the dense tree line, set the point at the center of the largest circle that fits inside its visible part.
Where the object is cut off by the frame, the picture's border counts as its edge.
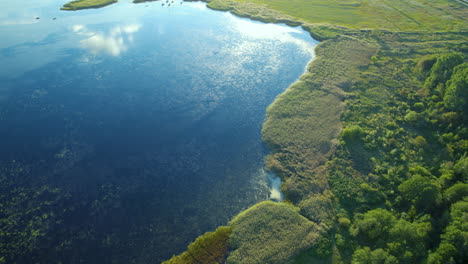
(400, 173)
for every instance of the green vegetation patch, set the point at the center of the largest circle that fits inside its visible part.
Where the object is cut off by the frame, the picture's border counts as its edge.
(212, 247)
(270, 233)
(302, 123)
(401, 161)
(454, 244)
(267, 232)
(27, 214)
(85, 4)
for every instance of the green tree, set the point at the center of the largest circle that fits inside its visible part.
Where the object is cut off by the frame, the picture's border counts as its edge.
(442, 69)
(456, 93)
(352, 133)
(411, 117)
(409, 240)
(446, 252)
(456, 192)
(454, 245)
(374, 226)
(461, 169)
(420, 142)
(421, 191)
(367, 256)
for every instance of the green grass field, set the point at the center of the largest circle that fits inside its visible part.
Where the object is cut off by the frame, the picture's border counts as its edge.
(399, 15)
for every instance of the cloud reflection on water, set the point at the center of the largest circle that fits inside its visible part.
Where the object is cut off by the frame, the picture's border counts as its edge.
(114, 43)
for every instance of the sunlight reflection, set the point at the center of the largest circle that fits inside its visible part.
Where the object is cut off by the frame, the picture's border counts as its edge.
(198, 5)
(256, 39)
(262, 31)
(113, 43)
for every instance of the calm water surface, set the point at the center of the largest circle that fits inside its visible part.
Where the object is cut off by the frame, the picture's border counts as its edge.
(139, 124)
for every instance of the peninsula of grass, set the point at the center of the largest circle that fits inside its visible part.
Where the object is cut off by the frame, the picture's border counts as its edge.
(267, 232)
(86, 4)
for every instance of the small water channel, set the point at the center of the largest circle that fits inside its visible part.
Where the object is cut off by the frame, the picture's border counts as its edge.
(141, 122)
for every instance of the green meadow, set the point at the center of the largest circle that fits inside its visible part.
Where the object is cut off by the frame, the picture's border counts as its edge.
(398, 15)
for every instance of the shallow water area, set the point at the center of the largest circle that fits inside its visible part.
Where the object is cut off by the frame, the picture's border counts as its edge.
(132, 129)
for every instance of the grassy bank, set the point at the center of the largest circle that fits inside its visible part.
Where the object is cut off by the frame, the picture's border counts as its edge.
(86, 4)
(302, 123)
(265, 233)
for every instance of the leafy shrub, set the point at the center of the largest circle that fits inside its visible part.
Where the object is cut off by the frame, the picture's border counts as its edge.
(456, 192)
(442, 69)
(374, 226)
(352, 133)
(367, 256)
(461, 169)
(319, 208)
(456, 93)
(421, 191)
(411, 117)
(425, 64)
(454, 236)
(344, 221)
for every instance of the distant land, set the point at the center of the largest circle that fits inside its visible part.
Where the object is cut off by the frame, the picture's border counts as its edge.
(87, 4)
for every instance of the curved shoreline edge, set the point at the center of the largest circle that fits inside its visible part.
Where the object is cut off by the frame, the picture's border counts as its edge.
(302, 124)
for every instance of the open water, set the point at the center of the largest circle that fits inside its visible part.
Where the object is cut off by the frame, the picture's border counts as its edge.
(140, 124)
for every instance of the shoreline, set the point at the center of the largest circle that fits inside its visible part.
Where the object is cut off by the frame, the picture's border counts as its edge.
(329, 93)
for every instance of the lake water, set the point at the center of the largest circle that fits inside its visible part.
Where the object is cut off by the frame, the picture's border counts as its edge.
(127, 131)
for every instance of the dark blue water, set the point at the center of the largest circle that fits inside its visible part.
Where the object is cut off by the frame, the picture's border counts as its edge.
(127, 131)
